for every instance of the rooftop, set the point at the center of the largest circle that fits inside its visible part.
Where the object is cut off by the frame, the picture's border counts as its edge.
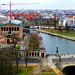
(16, 22)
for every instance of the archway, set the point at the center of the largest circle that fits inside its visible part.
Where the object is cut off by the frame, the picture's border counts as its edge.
(8, 41)
(69, 70)
(27, 27)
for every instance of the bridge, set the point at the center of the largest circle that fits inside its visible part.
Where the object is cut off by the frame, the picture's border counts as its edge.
(67, 60)
(62, 60)
(68, 64)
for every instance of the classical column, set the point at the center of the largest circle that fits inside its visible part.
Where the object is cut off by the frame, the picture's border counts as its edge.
(31, 54)
(28, 54)
(44, 54)
(3, 28)
(39, 54)
(34, 54)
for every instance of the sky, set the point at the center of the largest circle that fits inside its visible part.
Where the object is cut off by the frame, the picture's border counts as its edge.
(44, 4)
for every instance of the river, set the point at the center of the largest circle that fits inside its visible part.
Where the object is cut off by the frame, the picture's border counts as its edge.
(64, 45)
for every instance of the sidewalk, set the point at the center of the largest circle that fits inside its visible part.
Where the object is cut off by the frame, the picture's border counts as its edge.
(38, 69)
(48, 61)
(59, 35)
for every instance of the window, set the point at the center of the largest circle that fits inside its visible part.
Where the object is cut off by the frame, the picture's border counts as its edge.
(9, 28)
(1, 28)
(4, 28)
(17, 28)
(12, 28)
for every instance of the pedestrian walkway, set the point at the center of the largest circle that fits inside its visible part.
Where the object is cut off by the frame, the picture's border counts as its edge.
(38, 69)
(48, 61)
(5, 45)
(59, 35)
(67, 55)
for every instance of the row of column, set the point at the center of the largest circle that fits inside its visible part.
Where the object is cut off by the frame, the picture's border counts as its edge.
(29, 54)
(36, 54)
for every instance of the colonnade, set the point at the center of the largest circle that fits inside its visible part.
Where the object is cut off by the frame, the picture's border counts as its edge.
(30, 54)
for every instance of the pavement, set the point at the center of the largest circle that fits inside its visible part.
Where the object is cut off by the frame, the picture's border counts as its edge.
(59, 35)
(48, 61)
(22, 61)
(38, 69)
(5, 45)
(64, 58)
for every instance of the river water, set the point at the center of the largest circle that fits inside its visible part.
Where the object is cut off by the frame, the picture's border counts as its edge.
(51, 42)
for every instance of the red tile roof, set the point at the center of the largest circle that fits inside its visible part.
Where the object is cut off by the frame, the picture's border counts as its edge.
(70, 16)
(21, 14)
(29, 16)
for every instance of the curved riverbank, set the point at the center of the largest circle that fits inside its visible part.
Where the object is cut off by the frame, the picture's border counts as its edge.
(54, 34)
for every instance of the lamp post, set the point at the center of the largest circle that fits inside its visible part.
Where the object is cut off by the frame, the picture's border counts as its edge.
(58, 54)
(57, 50)
(59, 58)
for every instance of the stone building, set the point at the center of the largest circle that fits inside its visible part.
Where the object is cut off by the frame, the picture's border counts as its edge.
(10, 29)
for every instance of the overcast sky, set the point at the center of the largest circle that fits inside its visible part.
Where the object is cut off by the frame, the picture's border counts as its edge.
(44, 4)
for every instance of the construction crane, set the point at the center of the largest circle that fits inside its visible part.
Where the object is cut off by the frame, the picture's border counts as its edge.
(17, 4)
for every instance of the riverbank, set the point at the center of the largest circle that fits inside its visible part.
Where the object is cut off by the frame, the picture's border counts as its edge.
(54, 34)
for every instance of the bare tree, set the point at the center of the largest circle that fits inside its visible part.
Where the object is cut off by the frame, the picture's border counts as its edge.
(15, 39)
(34, 41)
(6, 63)
(25, 44)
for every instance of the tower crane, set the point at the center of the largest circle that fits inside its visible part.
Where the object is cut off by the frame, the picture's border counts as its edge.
(17, 4)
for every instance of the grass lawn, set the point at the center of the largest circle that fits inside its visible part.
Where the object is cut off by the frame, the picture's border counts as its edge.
(17, 47)
(24, 71)
(47, 73)
(63, 32)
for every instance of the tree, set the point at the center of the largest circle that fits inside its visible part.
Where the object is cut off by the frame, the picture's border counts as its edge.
(6, 63)
(25, 44)
(17, 58)
(15, 39)
(67, 28)
(34, 41)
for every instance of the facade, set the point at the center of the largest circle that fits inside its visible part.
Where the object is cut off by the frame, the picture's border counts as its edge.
(69, 20)
(10, 29)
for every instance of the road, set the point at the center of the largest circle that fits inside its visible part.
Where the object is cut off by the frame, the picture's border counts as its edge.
(64, 60)
(22, 61)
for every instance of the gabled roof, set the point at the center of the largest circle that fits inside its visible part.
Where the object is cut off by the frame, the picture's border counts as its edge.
(16, 22)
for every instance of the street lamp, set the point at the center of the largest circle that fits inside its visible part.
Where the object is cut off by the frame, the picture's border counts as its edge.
(57, 50)
(58, 54)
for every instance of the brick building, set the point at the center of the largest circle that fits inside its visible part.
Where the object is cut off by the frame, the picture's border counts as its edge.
(10, 29)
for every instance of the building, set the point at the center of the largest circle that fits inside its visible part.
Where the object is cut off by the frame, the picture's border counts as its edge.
(70, 20)
(3, 18)
(10, 29)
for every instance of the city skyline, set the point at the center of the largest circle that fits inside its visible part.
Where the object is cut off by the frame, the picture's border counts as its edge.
(44, 4)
